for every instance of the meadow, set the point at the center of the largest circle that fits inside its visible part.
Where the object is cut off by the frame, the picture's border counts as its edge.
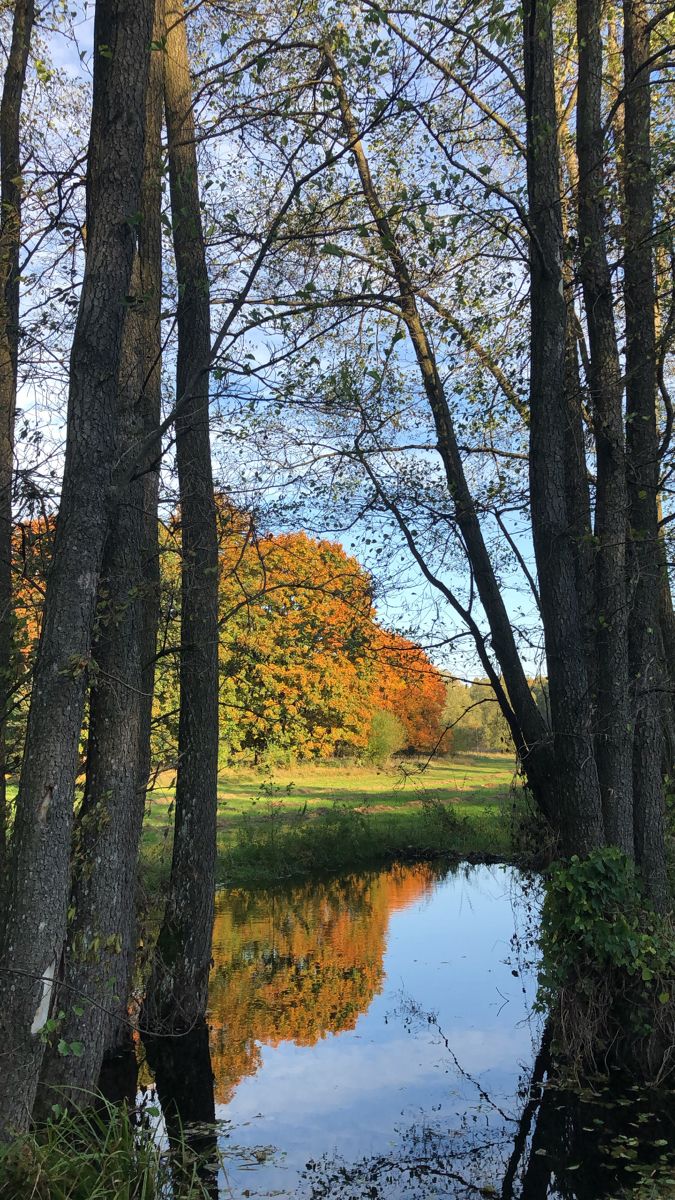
(275, 823)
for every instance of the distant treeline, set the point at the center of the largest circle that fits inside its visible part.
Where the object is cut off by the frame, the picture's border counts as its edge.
(475, 721)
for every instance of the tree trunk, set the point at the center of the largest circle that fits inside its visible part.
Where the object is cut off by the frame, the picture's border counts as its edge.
(578, 797)
(526, 722)
(10, 241)
(36, 925)
(101, 945)
(613, 744)
(646, 667)
(667, 627)
(578, 491)
(177, 992)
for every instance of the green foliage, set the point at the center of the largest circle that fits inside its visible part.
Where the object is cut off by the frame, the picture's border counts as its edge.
(387, 736)
(608, 962)
(102, 1153)
(277, 847)
(593, 909)
(475, 717)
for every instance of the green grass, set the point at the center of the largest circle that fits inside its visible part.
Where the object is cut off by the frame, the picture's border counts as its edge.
(101, 1153)
(292, 820)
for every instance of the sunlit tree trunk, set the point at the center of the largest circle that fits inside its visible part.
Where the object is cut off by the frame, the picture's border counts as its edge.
(36, 925)
(10, 241)
(177, 991)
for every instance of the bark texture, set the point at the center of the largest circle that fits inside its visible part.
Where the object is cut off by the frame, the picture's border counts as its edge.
(579, 815)
(177, 992)
(646, 666)
(10, 242)
(101, 943)
(36, 924)
(613, 729)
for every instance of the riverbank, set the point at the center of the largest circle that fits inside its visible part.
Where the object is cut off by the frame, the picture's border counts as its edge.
(290, 821)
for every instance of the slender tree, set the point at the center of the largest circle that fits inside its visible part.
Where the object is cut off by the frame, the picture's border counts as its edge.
(646, 664)
(10, 241)
(613, 706)
(176, 997)
(525, 721)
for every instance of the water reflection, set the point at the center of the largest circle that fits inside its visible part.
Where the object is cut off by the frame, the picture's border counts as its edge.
(377, 1030)
(297, 963)
(183, 1077)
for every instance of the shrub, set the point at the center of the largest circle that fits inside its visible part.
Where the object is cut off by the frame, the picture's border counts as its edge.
(607, 971)
(387, 736)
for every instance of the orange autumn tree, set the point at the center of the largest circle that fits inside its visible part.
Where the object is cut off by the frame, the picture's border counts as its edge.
(305, 668)
(308, 666)
(296, 633)
(410, 686)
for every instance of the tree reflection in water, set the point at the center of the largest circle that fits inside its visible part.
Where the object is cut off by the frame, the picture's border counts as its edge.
(184, 1080)
(610, 1142)
(297, 963)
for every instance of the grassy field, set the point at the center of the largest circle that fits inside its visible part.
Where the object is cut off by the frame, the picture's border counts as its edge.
(290, 820)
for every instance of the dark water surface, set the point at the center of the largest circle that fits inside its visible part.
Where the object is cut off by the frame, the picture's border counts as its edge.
(372, 1036)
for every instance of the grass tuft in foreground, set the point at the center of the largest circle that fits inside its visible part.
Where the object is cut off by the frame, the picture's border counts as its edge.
(106, 1153)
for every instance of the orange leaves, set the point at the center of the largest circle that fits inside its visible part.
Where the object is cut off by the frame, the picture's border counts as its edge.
(409, 685)
(304, 665)
(300, 965)
(296, 625)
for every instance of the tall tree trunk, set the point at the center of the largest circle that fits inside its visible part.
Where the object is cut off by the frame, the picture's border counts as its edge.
(578, 495)
(613, 746)
(36, 924)
(10, 241)
(177, 992)
(578, 491)
(646, 665)
(101, 944)
(667, 628)
(580, 816)
(526, 722)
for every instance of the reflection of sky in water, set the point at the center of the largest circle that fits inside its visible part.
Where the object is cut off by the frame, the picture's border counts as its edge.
(353, 1091)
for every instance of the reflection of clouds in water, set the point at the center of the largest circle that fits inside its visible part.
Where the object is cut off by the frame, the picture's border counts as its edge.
(335, 1076)
(357, 1077)
(299, 964)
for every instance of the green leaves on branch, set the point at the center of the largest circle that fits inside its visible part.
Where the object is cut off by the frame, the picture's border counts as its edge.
(607, 959)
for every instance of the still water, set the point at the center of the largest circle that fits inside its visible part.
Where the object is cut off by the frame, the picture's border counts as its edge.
(372, 1036)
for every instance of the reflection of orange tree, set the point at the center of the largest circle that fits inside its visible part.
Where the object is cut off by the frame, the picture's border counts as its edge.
(298, 963)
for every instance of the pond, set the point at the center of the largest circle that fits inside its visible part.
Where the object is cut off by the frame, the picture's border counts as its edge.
(372, 1035)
